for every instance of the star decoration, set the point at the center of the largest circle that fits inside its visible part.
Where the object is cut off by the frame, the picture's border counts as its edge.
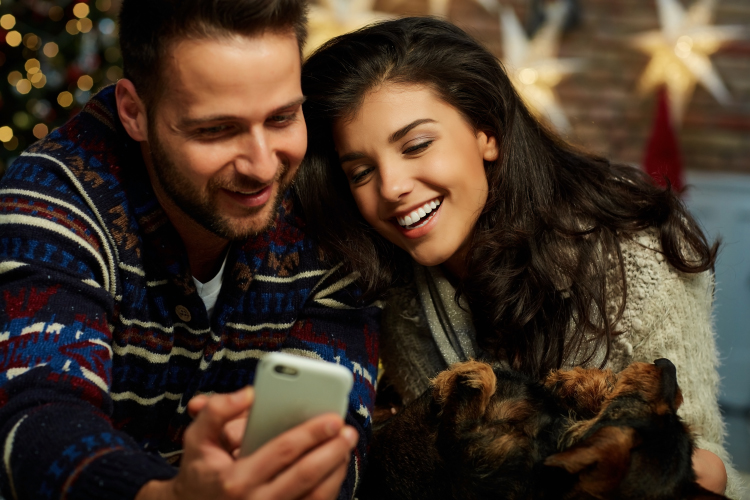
(533, 66)
(679, 53)
(332, 18)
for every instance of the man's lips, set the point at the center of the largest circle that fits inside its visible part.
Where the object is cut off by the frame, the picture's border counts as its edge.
(251, 199)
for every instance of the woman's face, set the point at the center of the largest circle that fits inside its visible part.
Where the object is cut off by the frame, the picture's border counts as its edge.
(416, 170)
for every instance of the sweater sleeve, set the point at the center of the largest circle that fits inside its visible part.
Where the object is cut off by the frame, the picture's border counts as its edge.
(670, 316)
(337, 329)
(56, 283)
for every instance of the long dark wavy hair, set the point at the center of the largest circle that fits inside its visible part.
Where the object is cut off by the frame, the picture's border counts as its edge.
(545, 253)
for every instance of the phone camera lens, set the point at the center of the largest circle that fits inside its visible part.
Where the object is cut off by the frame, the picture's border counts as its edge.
(285, 370)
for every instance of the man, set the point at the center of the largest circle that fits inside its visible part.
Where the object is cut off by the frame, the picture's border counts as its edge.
(149, 254)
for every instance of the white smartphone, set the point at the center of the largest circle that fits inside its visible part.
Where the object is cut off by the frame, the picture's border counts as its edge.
(290, 390)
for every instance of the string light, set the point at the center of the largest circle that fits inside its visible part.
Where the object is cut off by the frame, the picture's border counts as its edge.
(65, 99)
(85, 83)
(50, 49)
(40, 130)
(7, 22)
(13, 38)
(56, 13)
(80, 10)
(6, 133)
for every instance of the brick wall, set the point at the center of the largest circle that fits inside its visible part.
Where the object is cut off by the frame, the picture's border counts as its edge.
(606, 112)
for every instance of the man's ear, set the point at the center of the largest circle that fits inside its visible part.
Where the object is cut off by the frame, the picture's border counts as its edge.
(132, 111)
(487, 146)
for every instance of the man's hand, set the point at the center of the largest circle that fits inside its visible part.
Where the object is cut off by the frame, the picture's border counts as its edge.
(307, 462)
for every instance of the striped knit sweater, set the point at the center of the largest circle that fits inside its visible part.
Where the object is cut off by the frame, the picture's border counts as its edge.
(103, 337)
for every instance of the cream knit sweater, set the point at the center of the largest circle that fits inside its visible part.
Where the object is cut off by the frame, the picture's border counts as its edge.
(667, 315)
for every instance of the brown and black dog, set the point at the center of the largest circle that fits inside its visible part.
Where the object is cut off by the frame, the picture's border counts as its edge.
(484, 433)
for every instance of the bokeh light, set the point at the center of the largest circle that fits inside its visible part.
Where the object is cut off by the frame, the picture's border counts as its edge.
(51, 49)
(80, 10)
(40, 130)
(13, 38)
(85, 82)
(65, 99)
(7, 22)
(6, 133)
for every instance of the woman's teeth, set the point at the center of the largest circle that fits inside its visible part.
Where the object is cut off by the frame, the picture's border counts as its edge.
(418, 214)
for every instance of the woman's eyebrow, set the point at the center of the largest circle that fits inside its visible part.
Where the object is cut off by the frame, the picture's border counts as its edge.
(350, 157)
(398, 134)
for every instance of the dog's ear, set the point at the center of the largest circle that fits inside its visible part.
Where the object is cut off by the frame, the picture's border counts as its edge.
(601, 461)
(697, 492)
(466, 388)
(670, 391)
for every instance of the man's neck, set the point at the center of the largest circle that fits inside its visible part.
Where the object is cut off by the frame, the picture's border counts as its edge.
(205, 250)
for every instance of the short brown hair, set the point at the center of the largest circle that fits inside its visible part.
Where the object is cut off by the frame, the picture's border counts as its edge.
(148, 27)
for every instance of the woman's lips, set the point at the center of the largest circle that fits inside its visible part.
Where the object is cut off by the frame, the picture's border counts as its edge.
(254, 199)
(423, 229)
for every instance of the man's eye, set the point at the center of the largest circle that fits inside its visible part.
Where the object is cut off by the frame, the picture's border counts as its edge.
(207, 131)
(281, 119)
(417, 148)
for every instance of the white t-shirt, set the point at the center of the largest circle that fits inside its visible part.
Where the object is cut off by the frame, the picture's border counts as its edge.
(209, 291)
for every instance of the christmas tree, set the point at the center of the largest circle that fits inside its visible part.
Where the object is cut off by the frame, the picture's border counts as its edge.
(53, 57)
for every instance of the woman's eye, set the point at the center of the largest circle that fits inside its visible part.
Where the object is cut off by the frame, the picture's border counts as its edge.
(360, 175)
(417, 148)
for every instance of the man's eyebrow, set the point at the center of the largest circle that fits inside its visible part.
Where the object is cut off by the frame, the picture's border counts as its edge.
(398, 134)
(192, 122)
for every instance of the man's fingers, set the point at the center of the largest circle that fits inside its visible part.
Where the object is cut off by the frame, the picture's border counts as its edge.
(284, 450)
(233, 433)
(315, 467)
(196, 404)
(218, 410)
(329, 488)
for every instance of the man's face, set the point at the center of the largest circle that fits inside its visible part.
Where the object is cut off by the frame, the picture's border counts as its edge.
(227, 136)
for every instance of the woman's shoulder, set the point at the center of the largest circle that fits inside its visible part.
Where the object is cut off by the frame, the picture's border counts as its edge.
(654, 292)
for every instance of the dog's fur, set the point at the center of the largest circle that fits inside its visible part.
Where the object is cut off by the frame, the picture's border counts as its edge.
(483, 433)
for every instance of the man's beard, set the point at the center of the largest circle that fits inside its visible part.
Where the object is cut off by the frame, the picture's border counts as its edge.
(203, 207)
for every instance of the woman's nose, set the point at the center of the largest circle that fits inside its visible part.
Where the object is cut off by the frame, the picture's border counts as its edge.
(395, 182)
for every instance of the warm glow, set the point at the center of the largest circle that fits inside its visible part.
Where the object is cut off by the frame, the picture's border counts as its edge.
(331, 18)
(40, 130)
(6, 133)
(14, 77)
(51, 49)
(84, 25)
(39, 80)
(32, 66)
(80, 10)
(528, 76)
(65, 99)
(23, 86)
(114, 73)
(85, 82)
(534, 68)
(103, 5)
(32, 41)
(680, 53)
(13, 38)
(7, 21)
(56, 13)
(72, 27)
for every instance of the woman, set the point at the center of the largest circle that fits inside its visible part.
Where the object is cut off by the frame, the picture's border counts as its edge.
(427, 175)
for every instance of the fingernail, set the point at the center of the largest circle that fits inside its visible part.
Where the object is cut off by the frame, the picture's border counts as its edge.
(350, 435)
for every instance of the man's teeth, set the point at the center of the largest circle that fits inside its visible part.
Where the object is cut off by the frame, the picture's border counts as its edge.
(418, 214)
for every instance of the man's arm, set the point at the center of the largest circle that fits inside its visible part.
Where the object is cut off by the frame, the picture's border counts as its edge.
(56, 299)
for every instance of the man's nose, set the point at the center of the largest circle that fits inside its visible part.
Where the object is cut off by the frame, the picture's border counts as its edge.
(395, 181)
(258, 159)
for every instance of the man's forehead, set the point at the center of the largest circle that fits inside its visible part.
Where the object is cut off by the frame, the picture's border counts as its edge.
(237, 74)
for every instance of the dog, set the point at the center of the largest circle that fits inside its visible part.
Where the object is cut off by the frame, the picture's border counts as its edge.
(582, 434)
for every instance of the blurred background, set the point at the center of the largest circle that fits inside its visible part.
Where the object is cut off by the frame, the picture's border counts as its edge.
(662, 84)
